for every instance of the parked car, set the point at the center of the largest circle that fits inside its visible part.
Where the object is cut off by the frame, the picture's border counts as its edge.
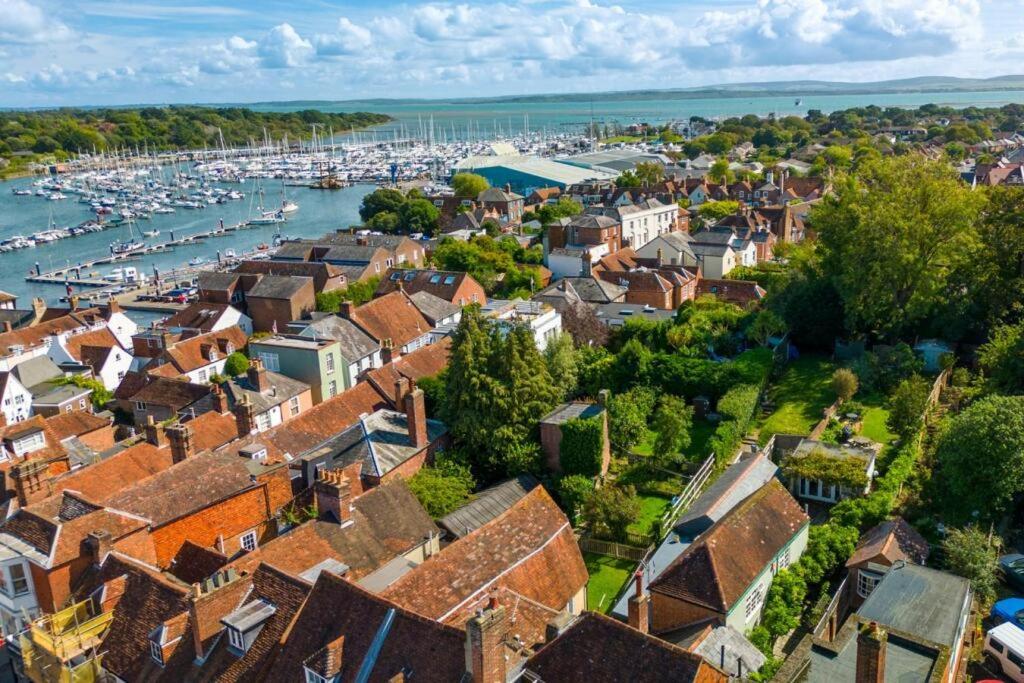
(1009, 610)
(1011, 569)
(1004, 650)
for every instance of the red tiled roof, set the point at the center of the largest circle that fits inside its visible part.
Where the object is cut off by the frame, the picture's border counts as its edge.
(76, 423)
(28, 337)
(106, 478)
(529, 550)
(716, 570)
(187, 355)
(211, 430)
(893, 540)
(393, 316)
(598, 649)
(173, 393)
(102, 338)
(425, 362)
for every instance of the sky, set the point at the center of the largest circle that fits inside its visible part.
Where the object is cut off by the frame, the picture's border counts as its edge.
(94, 52)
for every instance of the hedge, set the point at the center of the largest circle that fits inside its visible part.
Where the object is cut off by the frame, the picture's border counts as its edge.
(738, 404)
(582, 446)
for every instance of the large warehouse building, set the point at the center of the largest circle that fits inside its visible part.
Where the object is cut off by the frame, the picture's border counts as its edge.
(527, 173)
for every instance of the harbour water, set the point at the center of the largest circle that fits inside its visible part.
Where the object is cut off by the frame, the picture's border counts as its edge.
(320, 211)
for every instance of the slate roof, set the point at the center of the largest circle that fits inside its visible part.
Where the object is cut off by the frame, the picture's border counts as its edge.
(716, 570)
(529, 552)
(571, 411)
(282, 389)
(35, 371)
(433, 308)
(427, 361)
(380, 441)
(388, 521)
(217, 281)
(172, 393)
(337, 608)
(598, 649)
(355, 343)
(487, 505)
(591, 289)
(278, 287)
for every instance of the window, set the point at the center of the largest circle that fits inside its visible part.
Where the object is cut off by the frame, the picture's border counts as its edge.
(202, 375)
(395, 276)
(434, 279)
(248, 541)
(866, 582)
(449, 280)
(263, 422)
(120, 375)
(156, 652)
(293, 406)
(754, 601)
(68, 408)
(271, 361)
(32, 442)
(332, 388)
(140, 405)
(3, 582)
(784, 559)
(235, 639)
(996, 645)
(330, 362)
(313, 677)
(81, 404)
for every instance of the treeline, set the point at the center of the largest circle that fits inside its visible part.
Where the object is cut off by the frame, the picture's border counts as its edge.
(65, 132)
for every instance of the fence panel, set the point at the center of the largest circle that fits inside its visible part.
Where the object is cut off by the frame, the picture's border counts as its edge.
(612, 549)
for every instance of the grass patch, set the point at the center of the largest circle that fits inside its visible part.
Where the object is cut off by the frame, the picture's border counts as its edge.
(607, 576)
(800, 396)
(874, 418)
(651, 510)
(698, 449)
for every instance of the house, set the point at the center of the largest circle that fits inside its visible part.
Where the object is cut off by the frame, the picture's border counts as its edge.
(437, 311)
(358, 352)
(662, 287)
(14, 318)
(452, 286)
(278, 299)
(15, 399)
(573, 290)
(99, 350)
(205, 316)
(262, 399)
(544, 321)
(224, 288)
(393, 378)
(28, 342)
(391, 320)
(508, 204)
(716, 260)
(83, 435)
(672, 248)
(741, 241)
(551, 429)
(542, 196)
(359, 256)
(29, 451)
(723, 576)
(643, 221)
(912, 627)
(826, 472)
(51, 393)
(570, 656)
(326, 277)
(740, 480)
(487, 505)
(877, 551)
(196, 358)
(315, 362)
(164, 398)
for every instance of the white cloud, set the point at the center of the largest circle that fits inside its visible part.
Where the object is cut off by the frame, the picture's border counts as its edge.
(347, 39)
(282, 47)
(22, 22)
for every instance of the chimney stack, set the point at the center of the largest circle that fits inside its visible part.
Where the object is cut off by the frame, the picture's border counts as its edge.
(333, 495)
(387, 351)
(38, 309)
(401, 391)
(220, 400)
(416, 417)
(7, 326)
(660, 257)
(639, 606)
(870, 654)
(180, 437)
(245, 418)
(113, 306)
(29, 478)
(345, 310)
(257, 375)
(155, 433)
(99, 543)
(485, 646)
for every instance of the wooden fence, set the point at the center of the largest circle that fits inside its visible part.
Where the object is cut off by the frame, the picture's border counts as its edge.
(688, 495)
(611, 549)
(940, 382)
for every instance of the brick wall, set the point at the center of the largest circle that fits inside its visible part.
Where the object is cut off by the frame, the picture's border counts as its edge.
(668, 613)
(661, 300)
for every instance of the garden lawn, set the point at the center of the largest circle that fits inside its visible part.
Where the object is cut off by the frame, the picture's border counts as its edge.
(700, 434)
(874, 418)
(607, 576)
(651, 510)
(800, 396)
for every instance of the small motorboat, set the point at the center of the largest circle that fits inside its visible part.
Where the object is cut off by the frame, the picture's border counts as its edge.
(230, 253)
(196, 261)
(262, 246)
(151, 233)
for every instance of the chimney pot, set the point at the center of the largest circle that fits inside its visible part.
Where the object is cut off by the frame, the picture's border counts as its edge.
(638, 607)
(257, 376)
(871, 642)
(182, 447)
(333, 495)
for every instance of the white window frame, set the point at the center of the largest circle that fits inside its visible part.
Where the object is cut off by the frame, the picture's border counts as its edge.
(330, 362)
(156, 652)
(332, 388)
(248, 539)
(294, 406)
(141, 405)
(236, 639)
(866, 582)
(754, 601)
(18, 585)
(312, 676)
(30, 443)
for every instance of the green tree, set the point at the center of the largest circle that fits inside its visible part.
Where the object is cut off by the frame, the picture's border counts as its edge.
(236, 364)
(381, 200)
(907, 406)
(632, 365)
(649, 173)
(581, 450)
(386, 222)
(890, 238)
(712, 212)
(573, 492)
(565, 207)
(628, 414)
(844, 384)
(560, 357)
(469, 185)
(720, 172)
(610, 510)
(672, 422)
(973, 554)
(100, 395)
(1002, 358)
(443, 488)
(995, 280)
(419, 215)
(767, 324)
(981, 459)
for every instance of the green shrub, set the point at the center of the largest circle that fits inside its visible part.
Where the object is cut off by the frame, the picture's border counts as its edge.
(236, 364)
(739, 404)
(582, 447)
(573, 491)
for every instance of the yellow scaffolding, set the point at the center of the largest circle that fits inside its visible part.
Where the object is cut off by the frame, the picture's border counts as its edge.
(61, 647)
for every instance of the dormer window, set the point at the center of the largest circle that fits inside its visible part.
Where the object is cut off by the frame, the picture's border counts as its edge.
(29, 443)
(314, 677)
(245, 623)
(156, 652)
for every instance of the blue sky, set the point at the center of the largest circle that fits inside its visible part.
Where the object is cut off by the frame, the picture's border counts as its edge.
(65, 52)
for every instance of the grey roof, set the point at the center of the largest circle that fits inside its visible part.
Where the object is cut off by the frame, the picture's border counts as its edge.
(36, 371)
(281, 389)
(351, 254)
(677, 240)
(49, 394)
(79, 454)
(588, 220)
(738, 482)
(17, 317)
(904, 663)
(250, 615)
(495, 194)
(569, 251)
(590, 289)
(330, 564)
(344, 238)
(354, 343)
(571, 411)
(718, 236)
(702, 249)
(433, 308)
(278, 286)
(737, 648)
(619, 313)
(918, 601)
(293, 251)
(861, 448)
(380, 441)
(217, 281)
(487, 505)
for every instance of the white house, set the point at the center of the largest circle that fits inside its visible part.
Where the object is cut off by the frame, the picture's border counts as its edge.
(202, 317)
(543, 320)
(99, 349)
(642, 222)
(15, 399)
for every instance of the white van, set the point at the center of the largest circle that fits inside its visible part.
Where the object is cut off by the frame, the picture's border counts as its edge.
(1004, 645)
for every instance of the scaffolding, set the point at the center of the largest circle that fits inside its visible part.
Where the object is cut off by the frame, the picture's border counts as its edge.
(62, 647)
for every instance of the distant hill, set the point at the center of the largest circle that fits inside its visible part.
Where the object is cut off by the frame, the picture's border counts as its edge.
(936, 84)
